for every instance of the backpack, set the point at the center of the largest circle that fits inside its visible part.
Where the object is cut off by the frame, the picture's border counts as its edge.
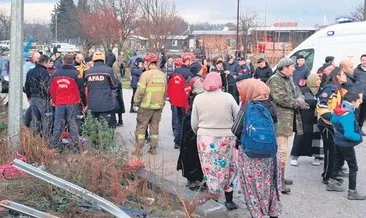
(258, 136)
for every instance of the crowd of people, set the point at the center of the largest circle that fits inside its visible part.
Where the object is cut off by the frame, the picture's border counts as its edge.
(230, 120)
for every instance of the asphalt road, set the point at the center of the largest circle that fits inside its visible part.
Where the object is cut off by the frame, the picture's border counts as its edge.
(307, 199)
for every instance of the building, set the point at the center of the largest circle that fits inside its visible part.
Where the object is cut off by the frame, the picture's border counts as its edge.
(276, 40)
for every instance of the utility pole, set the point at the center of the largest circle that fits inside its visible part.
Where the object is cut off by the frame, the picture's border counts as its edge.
(237, 26)
(364, 11)
(56, 26)
(16, 77)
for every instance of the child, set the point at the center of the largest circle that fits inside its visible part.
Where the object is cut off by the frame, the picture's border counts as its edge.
(347, 135)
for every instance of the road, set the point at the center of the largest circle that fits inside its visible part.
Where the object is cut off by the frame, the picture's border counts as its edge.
(307, 199)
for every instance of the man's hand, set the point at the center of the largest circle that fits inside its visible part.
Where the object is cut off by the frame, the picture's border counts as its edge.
(226, 72)
(135, 108)
(302, 104)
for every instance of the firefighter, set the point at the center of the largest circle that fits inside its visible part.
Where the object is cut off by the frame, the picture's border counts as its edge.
(149, 101)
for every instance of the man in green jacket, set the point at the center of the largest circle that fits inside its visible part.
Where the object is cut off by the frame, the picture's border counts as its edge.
(288, 99)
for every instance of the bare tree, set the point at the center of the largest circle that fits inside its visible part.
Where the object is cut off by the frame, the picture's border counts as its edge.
(4, 25)
(358, 13)
(40, 32)
(157, 20)
(246, 21)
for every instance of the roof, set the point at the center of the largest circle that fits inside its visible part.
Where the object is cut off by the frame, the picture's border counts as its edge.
(269, 28)
(284, 29)
(177, 37)
(213, 32)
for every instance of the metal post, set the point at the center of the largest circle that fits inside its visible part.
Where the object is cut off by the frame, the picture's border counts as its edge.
(237, 26)
(364, 11)
(56, 27)
(16, 75)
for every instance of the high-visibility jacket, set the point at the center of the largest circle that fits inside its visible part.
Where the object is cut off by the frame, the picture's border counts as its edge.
(151, 90)
(81, 69)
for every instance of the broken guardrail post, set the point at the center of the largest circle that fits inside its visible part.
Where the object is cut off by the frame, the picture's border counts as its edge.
(72, 188)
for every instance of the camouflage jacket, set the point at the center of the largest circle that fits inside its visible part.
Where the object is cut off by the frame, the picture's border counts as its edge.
(283, 94)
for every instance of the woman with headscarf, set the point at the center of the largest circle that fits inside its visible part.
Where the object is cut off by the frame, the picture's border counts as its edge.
(309, 144)
(213, 115)
(188, 160)
(259, 177)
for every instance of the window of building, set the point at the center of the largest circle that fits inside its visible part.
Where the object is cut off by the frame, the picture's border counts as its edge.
(174, 42)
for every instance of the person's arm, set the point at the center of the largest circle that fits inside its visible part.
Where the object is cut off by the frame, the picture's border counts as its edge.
(113, 79)
(140, 91)
(81, 88)
(279, 94)
(238, 124)
(194, 117)
(27, 85)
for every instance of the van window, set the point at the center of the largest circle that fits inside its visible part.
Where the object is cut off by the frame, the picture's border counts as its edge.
(308, 55)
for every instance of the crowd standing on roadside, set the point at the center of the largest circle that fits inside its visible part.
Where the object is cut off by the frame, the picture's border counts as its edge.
(230, 120)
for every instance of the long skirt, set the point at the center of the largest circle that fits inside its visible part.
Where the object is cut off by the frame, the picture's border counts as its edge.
(188, 160)
(308, 144)
(217, 160)
(261, 185)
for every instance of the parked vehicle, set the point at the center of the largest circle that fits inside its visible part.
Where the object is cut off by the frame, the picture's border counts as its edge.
(345, 40)
(5, 45)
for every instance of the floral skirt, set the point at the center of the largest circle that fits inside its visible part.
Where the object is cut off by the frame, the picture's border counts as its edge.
(261, 187)
(217, 161)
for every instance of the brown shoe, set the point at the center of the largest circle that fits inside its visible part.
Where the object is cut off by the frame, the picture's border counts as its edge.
(152, 151)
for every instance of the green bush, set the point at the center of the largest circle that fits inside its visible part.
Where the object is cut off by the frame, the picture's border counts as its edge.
(98, 135)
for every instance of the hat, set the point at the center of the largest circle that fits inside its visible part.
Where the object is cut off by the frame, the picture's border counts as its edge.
(212, 82)
(195, 67)
(261, 60)
(329, 59)
(241, 59)
(300, 57)
(284, 62)
(98, 56)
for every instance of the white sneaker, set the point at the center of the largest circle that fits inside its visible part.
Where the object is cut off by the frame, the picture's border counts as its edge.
(316, 162)
(294, 163)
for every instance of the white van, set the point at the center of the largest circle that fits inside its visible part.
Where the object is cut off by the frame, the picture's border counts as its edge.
(347, 40)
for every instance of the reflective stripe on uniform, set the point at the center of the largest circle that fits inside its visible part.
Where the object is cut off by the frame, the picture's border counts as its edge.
(151, 106)
(142, 86)
(140, 137)
(154, 136)
(155, 89)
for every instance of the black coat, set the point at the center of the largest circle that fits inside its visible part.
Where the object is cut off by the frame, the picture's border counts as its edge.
(120, 105)
(111, 58)
(100, 81)
(360, 76)
(263, 73)
(184, 71)
(188, 160)
(37, 82)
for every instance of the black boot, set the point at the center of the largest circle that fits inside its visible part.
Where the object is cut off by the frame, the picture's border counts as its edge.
(229, 204)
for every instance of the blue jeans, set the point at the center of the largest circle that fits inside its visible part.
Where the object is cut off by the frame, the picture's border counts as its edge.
(42, 117)
(66, 113)
(177, 122)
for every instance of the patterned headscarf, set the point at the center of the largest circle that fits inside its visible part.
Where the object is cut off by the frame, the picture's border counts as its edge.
(252, 89)
(212, 82)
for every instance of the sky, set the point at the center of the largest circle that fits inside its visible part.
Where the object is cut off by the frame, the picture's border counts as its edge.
(305, 13)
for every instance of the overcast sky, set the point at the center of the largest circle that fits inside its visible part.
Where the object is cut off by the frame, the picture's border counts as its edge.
(306, 13)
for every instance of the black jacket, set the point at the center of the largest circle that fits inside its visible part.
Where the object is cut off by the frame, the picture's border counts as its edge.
(184, 71)
(100, 80)
(37, 82)
(263, 73)
(135, 76)
(234, 69)
(111, 58)
(360, 76)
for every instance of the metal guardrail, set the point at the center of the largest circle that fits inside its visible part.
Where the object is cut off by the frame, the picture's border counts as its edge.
(26, 210)
(70, 187)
